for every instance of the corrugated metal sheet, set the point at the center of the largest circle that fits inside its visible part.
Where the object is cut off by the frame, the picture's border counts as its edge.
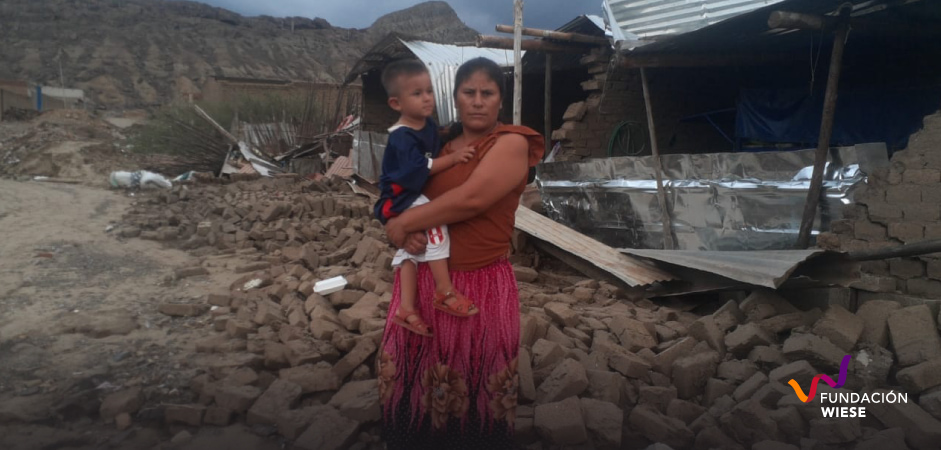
(759, 268)
(342, 168)
(651, 19)
(627, 269)
(442, 61)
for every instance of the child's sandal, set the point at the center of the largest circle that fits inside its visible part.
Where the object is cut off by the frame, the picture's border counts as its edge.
(460, 307)
(416, 325)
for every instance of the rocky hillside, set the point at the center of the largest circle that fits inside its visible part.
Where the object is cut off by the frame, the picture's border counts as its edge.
(130, 53)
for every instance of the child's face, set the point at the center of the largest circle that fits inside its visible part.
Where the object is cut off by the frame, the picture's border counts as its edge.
(416, 97)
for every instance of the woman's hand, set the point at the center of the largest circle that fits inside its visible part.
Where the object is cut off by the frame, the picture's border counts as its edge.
(413, 243)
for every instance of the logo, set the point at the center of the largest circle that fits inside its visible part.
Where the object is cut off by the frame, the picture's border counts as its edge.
(844, 365)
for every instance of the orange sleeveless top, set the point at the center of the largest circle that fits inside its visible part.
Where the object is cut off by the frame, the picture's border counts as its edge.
(485, 238)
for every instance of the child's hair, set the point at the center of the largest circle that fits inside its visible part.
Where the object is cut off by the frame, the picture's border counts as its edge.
(397, 69)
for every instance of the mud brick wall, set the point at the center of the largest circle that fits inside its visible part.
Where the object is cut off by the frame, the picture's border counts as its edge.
(900, 205)
(616, 95)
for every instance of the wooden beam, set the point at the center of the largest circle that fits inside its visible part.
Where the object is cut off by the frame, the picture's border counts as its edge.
(706, 60)
(225, 133)
(557, 35)
(826, 132)
(547, 119)
(802, 21)
(668, 243)
(517, 62)
(530, 45)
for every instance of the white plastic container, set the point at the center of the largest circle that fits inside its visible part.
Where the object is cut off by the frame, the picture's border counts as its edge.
(329, 286)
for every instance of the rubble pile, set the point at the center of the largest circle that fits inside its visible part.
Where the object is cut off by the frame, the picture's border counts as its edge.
(594, 370)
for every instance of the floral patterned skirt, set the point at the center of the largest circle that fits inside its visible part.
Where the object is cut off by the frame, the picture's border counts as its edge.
(458, 388)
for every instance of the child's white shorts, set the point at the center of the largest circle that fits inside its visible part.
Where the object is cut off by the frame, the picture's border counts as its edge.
(439, 242)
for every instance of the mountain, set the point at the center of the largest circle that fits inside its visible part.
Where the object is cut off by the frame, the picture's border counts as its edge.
(134, 53)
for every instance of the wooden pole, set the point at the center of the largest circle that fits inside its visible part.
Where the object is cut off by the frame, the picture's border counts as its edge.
(557, 35)
(225, 133)
(668, 243)
(826, 132)
(548, 110)
(517, 62)
(537, 45)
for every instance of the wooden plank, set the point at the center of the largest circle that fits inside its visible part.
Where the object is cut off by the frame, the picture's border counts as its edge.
(225, 133)
(531, 45)
(629, 270)
(557, 35)
(668, 243)
(547, 131)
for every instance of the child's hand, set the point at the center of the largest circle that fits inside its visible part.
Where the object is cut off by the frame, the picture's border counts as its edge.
(463, 155)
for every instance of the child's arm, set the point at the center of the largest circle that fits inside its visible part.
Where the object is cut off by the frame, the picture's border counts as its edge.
(445, 162)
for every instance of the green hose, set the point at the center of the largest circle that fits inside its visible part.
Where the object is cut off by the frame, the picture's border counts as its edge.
(634, 147)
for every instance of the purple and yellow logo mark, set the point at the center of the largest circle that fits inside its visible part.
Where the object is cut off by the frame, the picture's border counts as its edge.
(813, 384)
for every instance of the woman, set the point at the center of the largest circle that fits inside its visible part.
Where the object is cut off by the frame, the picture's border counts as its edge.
(458, 388)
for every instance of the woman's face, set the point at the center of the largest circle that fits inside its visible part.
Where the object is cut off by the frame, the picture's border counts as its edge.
(478, 101)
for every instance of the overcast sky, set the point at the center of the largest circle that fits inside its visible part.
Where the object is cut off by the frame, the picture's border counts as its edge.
(481, 15)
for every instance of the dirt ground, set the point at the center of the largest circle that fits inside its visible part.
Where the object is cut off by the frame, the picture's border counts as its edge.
(79, 320)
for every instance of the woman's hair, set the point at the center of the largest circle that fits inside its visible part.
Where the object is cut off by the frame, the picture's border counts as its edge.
(470, 67)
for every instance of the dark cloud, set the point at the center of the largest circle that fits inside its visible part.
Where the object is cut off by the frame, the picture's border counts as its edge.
(481, 15)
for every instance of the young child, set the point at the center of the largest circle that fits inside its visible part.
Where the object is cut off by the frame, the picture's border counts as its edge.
(411, 156)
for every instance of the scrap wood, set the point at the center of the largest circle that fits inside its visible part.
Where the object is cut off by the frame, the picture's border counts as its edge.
(630, 270)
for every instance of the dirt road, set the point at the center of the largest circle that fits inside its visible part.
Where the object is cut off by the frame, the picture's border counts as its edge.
(78, 320)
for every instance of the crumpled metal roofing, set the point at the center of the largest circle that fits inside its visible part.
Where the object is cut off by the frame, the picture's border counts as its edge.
(651, 19)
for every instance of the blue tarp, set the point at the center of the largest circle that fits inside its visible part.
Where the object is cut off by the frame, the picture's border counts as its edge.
(862, 115)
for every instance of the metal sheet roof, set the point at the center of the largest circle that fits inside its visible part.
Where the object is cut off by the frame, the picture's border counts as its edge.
(651, 19)
(760, 268)
(630, 270)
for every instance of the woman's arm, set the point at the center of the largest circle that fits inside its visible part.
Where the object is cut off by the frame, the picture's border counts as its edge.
(499, 172)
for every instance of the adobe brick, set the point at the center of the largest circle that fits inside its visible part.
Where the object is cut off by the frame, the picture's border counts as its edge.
(922, 176)
(903, 194)
(882, 212)
(906, 268)
(907, 231)
(924, 287)
(869, 231)
(922, 212)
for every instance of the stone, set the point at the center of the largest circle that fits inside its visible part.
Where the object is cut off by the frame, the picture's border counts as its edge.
(835, 430)
(328, 430)
(364, 349)
(604, 422)
(842, 327)
(736, 370)
(311, 378)
(629, 364)
(748, 389)
(684, 410)
(237, 398)
(218, 416)
(663, 361)
(875, 315)
(524, 367)
(311, 351)
(749, 423)
(358, 400)
(706, 330)
(562, 313)
(568, 379)
(525, 274)
(634, 335)
(931, 403)
(123, 421)
(819, 351)
(181, 438)
(767, 356)
(183, 309)
(547, 354)
(690, 373)
(800, 370)
(561, 423)
(346, 298)
(187, 272)
(922, 432)
(716, 388)
(191, 415)
(125, 401)
(603, 385)
(914, 335)
(746, 337)
(252, 267)
(239, 328)
(367, 307)
(728, 316)
(660, 428)
(220, 299)
(783, 322)
(921, 377)
(657, 397)
(280, 396)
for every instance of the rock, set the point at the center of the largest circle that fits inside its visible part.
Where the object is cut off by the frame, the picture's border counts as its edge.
(547, 354)
(628, 364)
(922, 432)
(921, 377)
(562, 313)
(767, 356)
(657, 397)
(358, 400)
(125, 401)
(835, 430)
(294, 422)
(716, 388)
(364, 349)
(218, 416)
(746, 337)
(604, 386)
(185, 414)
(311, 378)
(568, 379)
(748, 423)
(842, 327)
(123, 421)
(819, 351)
(220, 299)
(346, 298)
(706, 330)
(728, 316)
(684, 410)
(663, 361)
(367, 307)
(100, 324)
(801, 371)
(181, 438)
(329, 430)
(634, 335)
(525, 274)
(764, 303)
(561, 423)
(660, 428)
(527, 386)
(603, 421)
(187, 272)
(914, 335)
(790, 423)
(280, 396)
(748, 389)
(875, 315)
(736, 370)
(690, 373)
(931, 403)
(237, 398)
